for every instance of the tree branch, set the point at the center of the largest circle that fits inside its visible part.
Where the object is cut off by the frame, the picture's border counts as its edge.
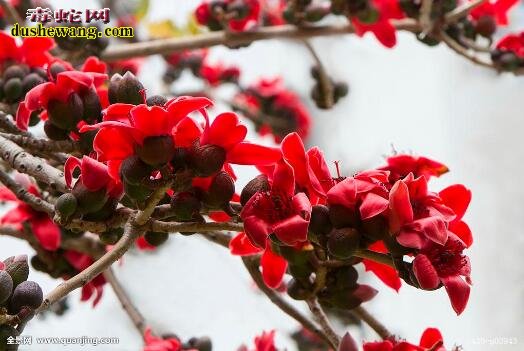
(43, 145)
(323, 321)
(24, 195)
(370, 320)
(375, 256)
(326, 86)
(461, 11)
(252, 268)
(12, 15)
(459, 49)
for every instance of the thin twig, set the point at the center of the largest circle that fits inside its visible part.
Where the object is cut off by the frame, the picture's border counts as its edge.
(12, 15)
(326, 86)
(370, 320)
(128, 306)
(375, 256)
(323, 321)
(6, 121)
(24, 195)
(461, 11)
(217, 237)
(459, 49)
(425, 16)
(166, 46)
(252, 268)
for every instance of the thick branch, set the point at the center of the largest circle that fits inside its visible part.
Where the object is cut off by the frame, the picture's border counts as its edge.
(166, 46)
(24, 195)
(128, 306)
(23, 162)
(6, 121)
(252, 268)
(370, 320)
(177, 227)
(43, 145)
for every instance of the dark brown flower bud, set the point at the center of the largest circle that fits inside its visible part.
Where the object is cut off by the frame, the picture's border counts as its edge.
(137, 192)
(375, 228)
(156, 100)
(15, 71)
(156, 238)
(342, 216)
(66, 205)
(206, 160)
(6, 286)
(38, 264)
(28, 294)
(202, 343)
(343, 242)
(92, 107)
(297, 290)
(220, 191)
(55, 133)
(31, 80)
(344, 299)
(89, 201)
(156, 150)
(13, 90)
(125, 89)
(257, 184)
(56, 68)
(134, 170)
(18, 269)
(486, 26)
(110, 237)
(345, 278)
(185, 205)
(66, 115)
(320, 224)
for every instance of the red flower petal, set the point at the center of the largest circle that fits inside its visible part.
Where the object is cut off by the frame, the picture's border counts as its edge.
(113, 143)
(283, 179)
(457, 197)
(46, 231)
(94, 174)
(430, 337)
(186, 132)
(245, 153)
(347, 343)
(372, 205)
(225, 131)
(462, 230)
(273, 268)
(343, 193)
(400, 205)
(434, 228)
(241, 246)
(426, 274)
(181, 106)
(7, 195)
(291, 230)
(458, 291)
(388, 275)
(256, 229)
(151, 120)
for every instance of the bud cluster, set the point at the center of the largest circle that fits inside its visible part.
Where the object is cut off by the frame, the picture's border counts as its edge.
(19, 298)
(17, 79)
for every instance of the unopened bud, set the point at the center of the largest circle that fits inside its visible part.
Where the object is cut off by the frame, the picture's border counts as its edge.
(298, 291)
(109, 238)
(201, 344)
(156, 100)
(6, 286)
(134, 170)
(257, 184)
(31, 80)
(28, 294)
(66, 205)
(66, 115)
(89, 201)
(15, 71)
(55, 133)
(207, 160)
(125, 89)
(18, 269)
(92, 107)
(156, 238)
(156, 150)
(220, 191)
(55, 69)
(185, 205)
(320, 224)
(343, 243)
(342, 216)
(486, 26)
(13, 89)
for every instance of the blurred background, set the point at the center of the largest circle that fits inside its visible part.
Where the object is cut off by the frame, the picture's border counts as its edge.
(413, 98)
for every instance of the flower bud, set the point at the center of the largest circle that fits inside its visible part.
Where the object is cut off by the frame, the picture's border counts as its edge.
(31, 80)
(56, 68)
(6, 286)
(28, 294)
(201, 344)
(125, 89)
(297, 291)
(66, 115)
(220, 191)
(156, 150)
(39, 265)
(13, 90)
(156, 100)
(137, 193)
(343, 243)
(315, 13)
(66, 205)
(185, 206)
(15, 71)
(341, 89)
(110, 237)
(342, 299)
(18, 269)
(486, 26)
(156, 238)
(342, 216)
(55, 133)
(207, 160)
(344, 278)
(92, 107)
(134, 170)
(508, 61)
(320, 224)
(89, 201)
(257, 184)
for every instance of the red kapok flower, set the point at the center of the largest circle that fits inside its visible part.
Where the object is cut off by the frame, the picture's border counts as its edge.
(218, 73)
(382, 28)
(273, 265)
(93, 174)
(279, 210)
(401, 165)
(431, 340)
(417, 215)
(497, 9)
(66, 84)
(95, 287)
(263, 342)
(32, 51)
(387, 274)
(243, 15)
(154, 343)
(513, 43)
(446, 264)
(457, 197)
(45, 230)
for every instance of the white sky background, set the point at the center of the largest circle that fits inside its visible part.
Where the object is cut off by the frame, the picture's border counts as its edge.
(426, 100)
